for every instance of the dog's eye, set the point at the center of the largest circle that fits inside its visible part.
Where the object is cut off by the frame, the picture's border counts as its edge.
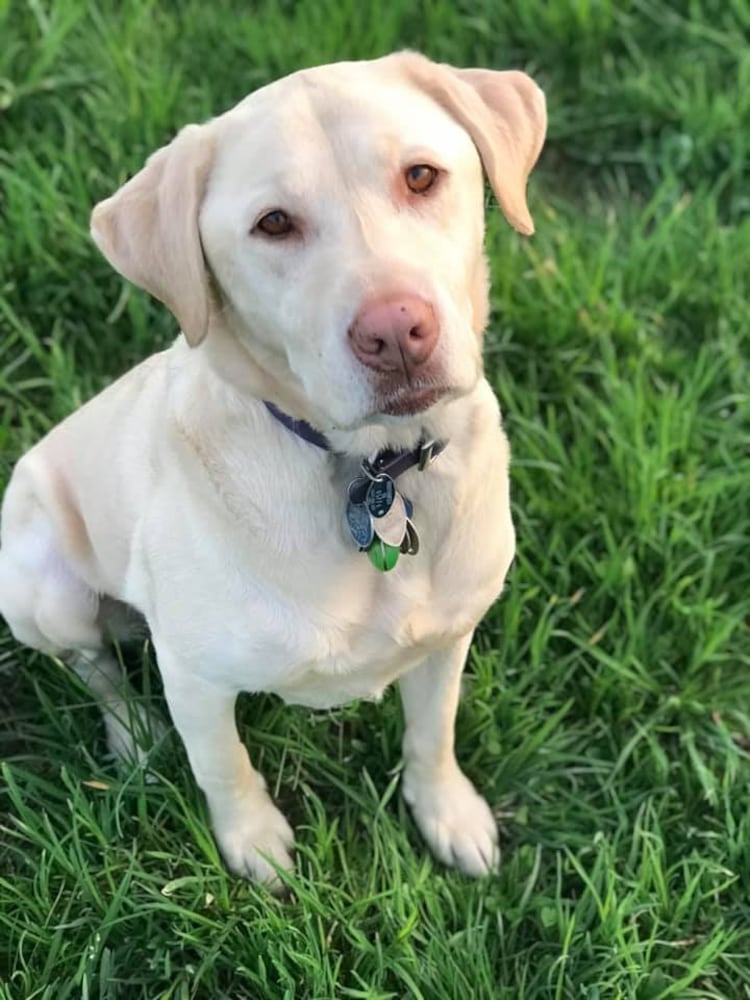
(276, 223)
(420, 178)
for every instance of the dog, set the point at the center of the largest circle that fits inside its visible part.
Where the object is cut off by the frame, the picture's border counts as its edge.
(307, 493)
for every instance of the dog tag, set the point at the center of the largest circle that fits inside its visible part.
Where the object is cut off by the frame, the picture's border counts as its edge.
(357, 489)
(360, 524)
(383, 557)
(380, 494)
(391, 527)
(410, 544)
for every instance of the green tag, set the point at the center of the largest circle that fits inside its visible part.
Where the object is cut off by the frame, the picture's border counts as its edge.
(382, 556)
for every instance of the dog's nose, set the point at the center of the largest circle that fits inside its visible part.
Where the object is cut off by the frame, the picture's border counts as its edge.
(394, 334)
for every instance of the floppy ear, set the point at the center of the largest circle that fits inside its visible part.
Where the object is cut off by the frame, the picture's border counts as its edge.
(505, 115)
(148, 230)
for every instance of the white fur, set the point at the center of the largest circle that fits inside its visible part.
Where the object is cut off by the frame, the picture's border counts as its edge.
(176, 492)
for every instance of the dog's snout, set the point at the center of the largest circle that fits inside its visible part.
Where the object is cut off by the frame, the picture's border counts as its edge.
(393, 334)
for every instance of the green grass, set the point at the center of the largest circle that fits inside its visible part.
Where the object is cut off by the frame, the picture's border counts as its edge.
(607, 710)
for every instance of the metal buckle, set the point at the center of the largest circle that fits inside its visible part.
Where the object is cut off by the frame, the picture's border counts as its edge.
(426, 456)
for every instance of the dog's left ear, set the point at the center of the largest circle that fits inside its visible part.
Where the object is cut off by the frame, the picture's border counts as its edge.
(148, 230)
(504, 113)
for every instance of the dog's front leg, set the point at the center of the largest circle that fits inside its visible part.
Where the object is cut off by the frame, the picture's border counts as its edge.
(246, 823)
(455, 820)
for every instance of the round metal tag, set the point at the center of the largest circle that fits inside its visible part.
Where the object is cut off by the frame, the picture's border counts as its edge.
(360, 524)
(410, 544)
(383, 557)
(391, 527)
(380, 496)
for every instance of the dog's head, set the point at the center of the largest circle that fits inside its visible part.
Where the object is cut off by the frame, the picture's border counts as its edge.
(333, 223)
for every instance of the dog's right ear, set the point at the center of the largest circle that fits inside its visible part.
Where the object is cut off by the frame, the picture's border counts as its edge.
(148, 230)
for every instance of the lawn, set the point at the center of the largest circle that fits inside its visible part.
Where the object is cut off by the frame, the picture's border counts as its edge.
(607, 704)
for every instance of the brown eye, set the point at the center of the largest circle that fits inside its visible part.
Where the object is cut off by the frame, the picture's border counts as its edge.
(420, 178)
(276, 223)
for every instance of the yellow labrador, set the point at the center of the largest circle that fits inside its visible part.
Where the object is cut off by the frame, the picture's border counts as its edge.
(307, 493)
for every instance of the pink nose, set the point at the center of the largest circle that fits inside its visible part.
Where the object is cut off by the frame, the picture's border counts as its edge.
(394, 334)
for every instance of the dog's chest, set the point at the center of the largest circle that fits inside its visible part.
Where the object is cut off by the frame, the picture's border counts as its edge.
(342, 650)
(312, 620)
(277, 598)
(348, 635)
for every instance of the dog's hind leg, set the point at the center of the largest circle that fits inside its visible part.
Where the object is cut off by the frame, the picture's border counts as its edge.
(130, 728)
(50, 607)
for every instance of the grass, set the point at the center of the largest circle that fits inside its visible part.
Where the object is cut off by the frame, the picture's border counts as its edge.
(607, 712)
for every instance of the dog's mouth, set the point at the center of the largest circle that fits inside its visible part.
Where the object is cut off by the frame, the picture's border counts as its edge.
(411, 399)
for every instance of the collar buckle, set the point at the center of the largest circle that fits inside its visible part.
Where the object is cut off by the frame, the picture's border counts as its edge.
(426, 455)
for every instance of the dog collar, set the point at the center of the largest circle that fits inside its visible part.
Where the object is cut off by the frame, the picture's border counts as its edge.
(379, 518)
(299, 427)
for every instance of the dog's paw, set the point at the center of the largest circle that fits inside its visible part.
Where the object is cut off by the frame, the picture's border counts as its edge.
(455, 821)
(256, 835)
